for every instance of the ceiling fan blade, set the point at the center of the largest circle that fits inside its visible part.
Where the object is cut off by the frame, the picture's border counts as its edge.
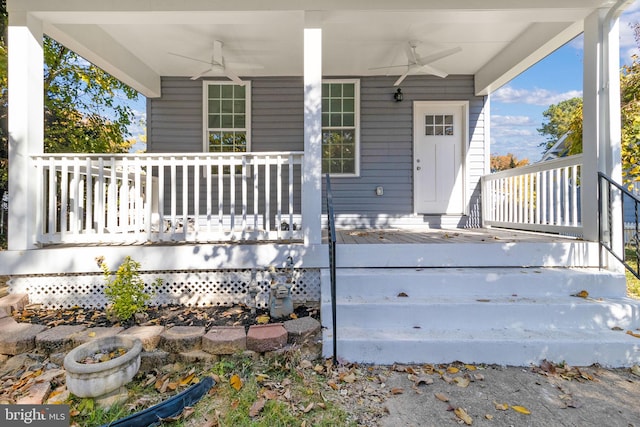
(424, 60)
(427, 69)
(188, 57)
(234, 77)
(217, 57)
(410, 50)
(388, 66)
(197, 76)
(401, 78)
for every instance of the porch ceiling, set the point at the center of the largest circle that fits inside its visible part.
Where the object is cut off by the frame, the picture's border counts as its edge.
(133, 39)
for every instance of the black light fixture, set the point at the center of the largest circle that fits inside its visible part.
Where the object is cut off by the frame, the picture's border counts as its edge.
(398, 95)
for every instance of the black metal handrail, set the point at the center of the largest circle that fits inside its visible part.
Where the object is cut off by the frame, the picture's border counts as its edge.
(331, 225)
(608, 190)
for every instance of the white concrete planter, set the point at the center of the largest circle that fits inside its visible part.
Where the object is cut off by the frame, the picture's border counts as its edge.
(98, 379)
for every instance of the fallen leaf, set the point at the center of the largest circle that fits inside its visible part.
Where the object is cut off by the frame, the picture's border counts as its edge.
(470, 367)
(423, 380)
(581, 294)
(462, 414)
(261, 377)
(172, 386)
(489, 417)
(262, 319)
(186, 380)
(92, 334)
(521, 410)
(442, 397)
(308, 408)
(447, 379)
(402, 295)
(452, 370)
(635, 370)
(501, 406)
(397, 390)
(633, 334)
(236, 382)
(293, 316)
(188, 411)
(256, 408)
(478, 377)
(462, 382)
(349, 378)
(333, 384)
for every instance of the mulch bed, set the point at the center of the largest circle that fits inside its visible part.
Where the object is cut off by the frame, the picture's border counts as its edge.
(164, 315)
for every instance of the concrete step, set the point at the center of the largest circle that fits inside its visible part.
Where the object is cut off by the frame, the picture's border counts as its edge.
(505, 346)
(513, 316)
(481, 282)
(479, 314)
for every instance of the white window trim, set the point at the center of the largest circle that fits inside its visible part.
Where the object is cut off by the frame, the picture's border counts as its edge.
(205, 111)
(357, 126)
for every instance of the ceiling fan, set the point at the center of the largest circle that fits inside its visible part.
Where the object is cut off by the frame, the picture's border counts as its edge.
(420, 64)
(218, 63)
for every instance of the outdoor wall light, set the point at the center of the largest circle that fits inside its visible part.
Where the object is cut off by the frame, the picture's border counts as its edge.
(398, 95)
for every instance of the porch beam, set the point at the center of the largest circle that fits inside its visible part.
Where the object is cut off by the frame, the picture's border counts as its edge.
(601, 114)
(538, 41)
(98, 47)
(26, 126)
(312, 165)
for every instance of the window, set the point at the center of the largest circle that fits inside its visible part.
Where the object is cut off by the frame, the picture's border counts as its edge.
(227, 117)
(340, 127)
(438, 124)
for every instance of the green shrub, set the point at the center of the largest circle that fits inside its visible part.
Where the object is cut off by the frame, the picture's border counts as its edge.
(125, 290)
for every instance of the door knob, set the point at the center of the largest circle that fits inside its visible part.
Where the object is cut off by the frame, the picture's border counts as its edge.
(418, 168)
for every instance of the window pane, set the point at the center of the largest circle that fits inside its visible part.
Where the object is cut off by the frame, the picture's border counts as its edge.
(214, 106)
(238, 106)
(336, 120)
(325, 119)
(438, 120)
(214, 91)
(227, 121)
(239, 91)
(214, 121)
(238, 121)
(227, 106)
(336, 105)
(348, 119)
(348, 106)
(349, 90)
(227, 91)
(336, 90)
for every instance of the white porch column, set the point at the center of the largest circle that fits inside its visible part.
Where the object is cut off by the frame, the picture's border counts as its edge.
(312, 166)
(601, 115)
(26, 125)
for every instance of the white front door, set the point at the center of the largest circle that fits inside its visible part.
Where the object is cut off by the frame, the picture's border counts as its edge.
(439, 131)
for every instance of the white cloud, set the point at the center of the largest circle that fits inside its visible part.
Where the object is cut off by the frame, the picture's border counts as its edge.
(499, 120)
(536, 96)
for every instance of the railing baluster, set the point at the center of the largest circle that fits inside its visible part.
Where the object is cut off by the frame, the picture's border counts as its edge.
(291, 178)
(185, 198)
(119, 198)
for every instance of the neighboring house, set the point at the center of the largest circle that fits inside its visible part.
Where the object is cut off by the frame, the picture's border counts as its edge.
(251, 103)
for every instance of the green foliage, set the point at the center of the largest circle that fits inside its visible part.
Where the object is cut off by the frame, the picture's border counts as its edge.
(559, 119)
(84, 111)
(630, 94)
(125, 290)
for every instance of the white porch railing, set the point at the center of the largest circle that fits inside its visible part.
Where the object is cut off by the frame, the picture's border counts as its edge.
(541, 197)
(127, 198)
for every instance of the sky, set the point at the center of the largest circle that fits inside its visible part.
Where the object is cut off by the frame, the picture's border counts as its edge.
(517, 107)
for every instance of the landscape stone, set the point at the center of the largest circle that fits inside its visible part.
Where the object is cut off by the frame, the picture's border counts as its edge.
(90, 334)
(225, 340)
(149, 335)
(149, 360)
(16, 338)
(196, 356)
(57, 358)
(36, 395)
(13, 302)
(57, 339)
(262, 338)
(182, 338)
(302, 329)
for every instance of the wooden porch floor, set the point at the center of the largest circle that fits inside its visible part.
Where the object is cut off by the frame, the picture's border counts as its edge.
(432, 236)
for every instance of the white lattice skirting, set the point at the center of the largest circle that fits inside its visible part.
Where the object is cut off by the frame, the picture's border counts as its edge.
(188, 288)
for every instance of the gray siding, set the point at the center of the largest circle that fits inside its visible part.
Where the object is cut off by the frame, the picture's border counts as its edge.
(386, 150)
